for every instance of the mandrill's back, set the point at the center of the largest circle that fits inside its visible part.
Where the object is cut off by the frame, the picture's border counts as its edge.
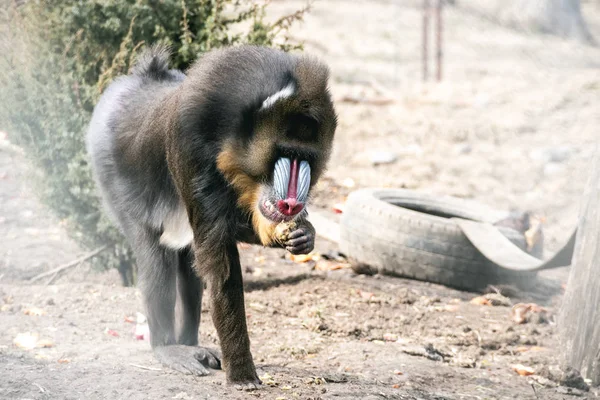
(125, 141)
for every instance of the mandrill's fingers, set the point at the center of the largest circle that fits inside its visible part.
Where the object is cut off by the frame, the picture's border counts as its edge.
(302, 241)
(298, 233)
(302, 249)
(298, 241)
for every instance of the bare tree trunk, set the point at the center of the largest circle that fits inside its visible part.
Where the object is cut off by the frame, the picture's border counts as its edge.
(557, 17)
(579, 320)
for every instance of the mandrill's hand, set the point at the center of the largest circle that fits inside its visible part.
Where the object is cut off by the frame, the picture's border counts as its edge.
(296, 237)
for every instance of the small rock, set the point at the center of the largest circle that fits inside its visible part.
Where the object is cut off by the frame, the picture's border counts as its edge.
(463, 148)
(50, 302)
(558, 154)
(434, 354)
(572, 378)
(382, 157)
(336, 378)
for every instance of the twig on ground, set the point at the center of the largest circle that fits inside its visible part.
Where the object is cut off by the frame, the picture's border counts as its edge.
(146, 368)
(42, 389)
(71, 264)
(376, 101)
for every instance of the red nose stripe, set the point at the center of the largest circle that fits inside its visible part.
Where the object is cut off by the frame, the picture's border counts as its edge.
(293, 185)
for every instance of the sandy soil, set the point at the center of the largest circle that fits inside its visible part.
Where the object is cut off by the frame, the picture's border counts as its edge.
(511, 125)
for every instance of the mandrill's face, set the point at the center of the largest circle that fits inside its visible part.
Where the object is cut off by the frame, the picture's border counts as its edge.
(284, 152)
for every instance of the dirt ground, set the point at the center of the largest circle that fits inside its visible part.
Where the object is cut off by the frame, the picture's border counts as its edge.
(513, 125)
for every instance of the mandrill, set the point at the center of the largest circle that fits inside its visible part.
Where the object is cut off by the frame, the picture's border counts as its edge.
(188, 165)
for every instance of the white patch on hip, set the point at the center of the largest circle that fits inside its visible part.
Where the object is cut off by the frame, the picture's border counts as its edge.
(177, 232)
(282, 94)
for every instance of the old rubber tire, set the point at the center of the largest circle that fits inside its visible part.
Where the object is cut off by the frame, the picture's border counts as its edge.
(409, 234)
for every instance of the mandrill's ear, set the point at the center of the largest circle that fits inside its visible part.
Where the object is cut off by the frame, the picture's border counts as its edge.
(312, 76)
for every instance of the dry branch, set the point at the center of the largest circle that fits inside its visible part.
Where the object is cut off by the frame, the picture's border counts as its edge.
(69, 264)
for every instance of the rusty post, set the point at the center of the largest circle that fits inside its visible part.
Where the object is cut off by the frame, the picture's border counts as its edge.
(439, 53)
(425, 32)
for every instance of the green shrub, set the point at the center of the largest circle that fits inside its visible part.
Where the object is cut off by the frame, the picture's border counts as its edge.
(56, 57)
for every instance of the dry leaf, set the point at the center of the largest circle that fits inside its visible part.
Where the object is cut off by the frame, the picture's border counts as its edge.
(268, 380)
(523, 370)
(396, 386)
(34, 311)
(326, 265)
(520, 312)
(302, 258)
(339, 208)
(480, 301)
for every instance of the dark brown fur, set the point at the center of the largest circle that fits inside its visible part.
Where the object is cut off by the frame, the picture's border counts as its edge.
(202, 141)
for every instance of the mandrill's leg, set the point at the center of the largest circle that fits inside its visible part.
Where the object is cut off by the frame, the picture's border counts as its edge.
(157, 267)
(228, 314)
(190, 288)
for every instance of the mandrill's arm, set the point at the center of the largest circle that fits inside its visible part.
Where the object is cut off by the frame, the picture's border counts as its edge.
(300, 240)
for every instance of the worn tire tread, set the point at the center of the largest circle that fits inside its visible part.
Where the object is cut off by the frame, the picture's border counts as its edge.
(399, 241)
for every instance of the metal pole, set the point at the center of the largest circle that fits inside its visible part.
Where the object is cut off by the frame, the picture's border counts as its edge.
(439, 54)
(425, 32)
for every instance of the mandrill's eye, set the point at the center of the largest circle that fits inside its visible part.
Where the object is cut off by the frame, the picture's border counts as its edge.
(302, 127)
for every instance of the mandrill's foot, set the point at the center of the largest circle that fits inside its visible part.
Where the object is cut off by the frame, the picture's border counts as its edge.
(244, 378)
(189, 360)
(301, 241)
(248, 386)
